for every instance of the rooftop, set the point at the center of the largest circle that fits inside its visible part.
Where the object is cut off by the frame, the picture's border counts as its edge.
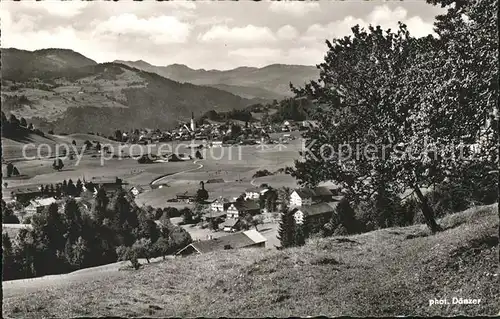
(247, 205)
(234, 241)
(42, 202)
(256, 189)
(318, 209)
(313, 192)
(25, 190)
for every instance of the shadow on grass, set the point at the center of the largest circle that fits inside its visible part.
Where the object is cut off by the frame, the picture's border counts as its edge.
(19, 177)
(25, 137)
(325, 261)
(417, 235)
(346, 240)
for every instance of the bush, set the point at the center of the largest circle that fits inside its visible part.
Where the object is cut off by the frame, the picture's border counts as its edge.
(343, 221)
(187, 215)
(262, 173)
(158, 213)
(172, 212)
(380, 212)
(448, 198)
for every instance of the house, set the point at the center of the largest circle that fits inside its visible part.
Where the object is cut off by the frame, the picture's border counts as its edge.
(215, 181)
(242, 208)
(255, 192)
(135, 190)
(13, 229)
(187, 196)
(315, 215)
(220, 204)
(214, 215)
(310, 124)
(110, 185)
(230, 225)
(24, 195)
(308, 196)
(38, 205)
(246, 239)
(216, 144)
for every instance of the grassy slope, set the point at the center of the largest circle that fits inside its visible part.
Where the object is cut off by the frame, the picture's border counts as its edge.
(387, 272)
(12, 150)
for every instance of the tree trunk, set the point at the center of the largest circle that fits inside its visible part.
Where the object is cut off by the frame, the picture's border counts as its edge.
(430, 220)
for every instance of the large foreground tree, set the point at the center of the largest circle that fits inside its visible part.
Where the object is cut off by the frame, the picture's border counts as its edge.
(402, 113)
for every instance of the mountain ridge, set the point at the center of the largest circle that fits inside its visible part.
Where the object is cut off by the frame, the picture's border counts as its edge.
(75, 94)
(268, 82)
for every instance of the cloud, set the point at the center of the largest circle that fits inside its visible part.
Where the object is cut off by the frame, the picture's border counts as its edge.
(384, 15)
(247, 34)
(255, 52)
(287, 32)
(418, 27)
(160, 29)
(161, 32)
(295, 8)
(212, 20)
(381, 15)
(307, 55)
(62, 9)
(182, 4)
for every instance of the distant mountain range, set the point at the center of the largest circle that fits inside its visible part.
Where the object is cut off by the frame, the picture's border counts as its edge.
(24, 65)
(270, 82)
(66, 91)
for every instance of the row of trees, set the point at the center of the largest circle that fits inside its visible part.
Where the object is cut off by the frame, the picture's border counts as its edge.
(66, 188)
(8, 216)
(419, 105)
(235, 114)
(13, 127)
(12, 170)
(68, 238)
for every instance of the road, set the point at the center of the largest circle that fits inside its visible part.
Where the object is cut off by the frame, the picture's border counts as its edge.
(163, 179)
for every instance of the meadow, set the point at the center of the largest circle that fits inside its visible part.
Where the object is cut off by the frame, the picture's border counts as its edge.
(388, 272)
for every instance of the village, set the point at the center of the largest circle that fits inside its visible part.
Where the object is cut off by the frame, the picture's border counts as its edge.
(227, 219)
(179, 159)
(216, 134)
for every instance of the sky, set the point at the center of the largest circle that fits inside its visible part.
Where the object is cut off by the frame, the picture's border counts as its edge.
(202, 34)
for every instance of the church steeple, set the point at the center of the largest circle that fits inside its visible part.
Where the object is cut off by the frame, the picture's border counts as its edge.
(193, 125)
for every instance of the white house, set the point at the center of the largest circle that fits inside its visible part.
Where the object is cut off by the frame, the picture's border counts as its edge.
(255, 192)
(310, 124)
(136, 190)
(220, 205)
(216, 144)
(241, 208)
(38, 205)
(317, 212)
(308, 196)
(300, 198)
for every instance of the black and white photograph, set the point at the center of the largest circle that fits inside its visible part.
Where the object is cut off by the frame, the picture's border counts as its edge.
(249, 159)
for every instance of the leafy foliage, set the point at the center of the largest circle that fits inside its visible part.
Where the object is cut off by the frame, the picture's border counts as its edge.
(67, 238)
(402, 113)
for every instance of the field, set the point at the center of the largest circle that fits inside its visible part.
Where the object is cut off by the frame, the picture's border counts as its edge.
(235, 165)
(88, 91)
(389, 272)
